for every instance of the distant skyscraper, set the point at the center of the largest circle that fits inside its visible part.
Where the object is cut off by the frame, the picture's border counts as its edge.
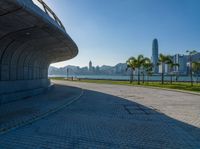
(90, 66)
(182, 61)
(155, 55)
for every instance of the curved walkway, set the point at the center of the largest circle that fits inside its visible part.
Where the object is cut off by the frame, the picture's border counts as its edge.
(110, 116)
(179, 105)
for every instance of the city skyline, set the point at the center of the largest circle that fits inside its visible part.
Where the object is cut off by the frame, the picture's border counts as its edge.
(109, 32)
(90, 63)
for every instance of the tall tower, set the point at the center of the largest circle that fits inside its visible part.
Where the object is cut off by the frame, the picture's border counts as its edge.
(155, 55)
(90, 66)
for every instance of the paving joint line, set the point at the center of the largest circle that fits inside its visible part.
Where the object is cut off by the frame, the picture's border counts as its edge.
(168, 89)
(151, 87)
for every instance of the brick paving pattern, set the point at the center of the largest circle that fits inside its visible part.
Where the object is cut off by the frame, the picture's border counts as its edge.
(103, 119)
(17, 113)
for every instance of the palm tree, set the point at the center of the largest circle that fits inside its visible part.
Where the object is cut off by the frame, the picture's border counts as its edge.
(171, 66)
(191, 52)
(163, 59)
(131, 63)
(196, 69)
(148, 67)
(138, 64)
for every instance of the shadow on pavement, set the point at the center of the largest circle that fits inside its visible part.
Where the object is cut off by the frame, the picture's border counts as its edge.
(99, 120)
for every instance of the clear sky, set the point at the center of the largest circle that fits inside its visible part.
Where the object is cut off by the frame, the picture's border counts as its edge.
(110, 31)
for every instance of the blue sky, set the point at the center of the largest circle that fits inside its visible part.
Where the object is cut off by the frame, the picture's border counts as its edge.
(110, 31)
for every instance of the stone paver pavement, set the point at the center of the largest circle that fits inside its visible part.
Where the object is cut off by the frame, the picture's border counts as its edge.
(15, 114)
(102, 119)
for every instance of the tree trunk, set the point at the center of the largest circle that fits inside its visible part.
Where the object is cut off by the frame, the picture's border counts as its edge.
(143, 77)
(138, 76)
(171, 79)
(131, 76)
(191, 78)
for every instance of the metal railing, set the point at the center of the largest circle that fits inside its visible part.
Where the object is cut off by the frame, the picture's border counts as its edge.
(49, 12)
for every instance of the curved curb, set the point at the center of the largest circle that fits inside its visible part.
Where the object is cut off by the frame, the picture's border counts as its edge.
(151, 87)
(41, 116)
(167, 89)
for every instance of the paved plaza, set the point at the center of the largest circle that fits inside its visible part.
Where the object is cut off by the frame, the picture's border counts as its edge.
(98, 116)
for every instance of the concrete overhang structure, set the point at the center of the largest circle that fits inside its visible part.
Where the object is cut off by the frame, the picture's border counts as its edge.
(30, 40)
